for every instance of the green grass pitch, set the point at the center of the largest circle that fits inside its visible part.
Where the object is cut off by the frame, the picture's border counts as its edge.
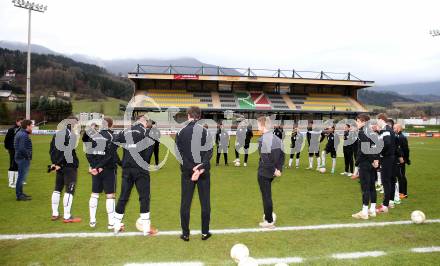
(301, 197)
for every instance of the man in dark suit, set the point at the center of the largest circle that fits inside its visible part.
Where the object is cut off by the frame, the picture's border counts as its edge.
(194, 150)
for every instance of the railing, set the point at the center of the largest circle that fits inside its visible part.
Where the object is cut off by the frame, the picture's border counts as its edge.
(243, 72)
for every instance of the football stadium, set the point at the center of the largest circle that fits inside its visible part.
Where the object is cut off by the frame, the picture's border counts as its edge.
(288, 94)
(134, 152)
(313, 209)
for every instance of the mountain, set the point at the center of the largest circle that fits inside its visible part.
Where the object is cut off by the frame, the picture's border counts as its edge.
(192, 65)
(35, 48)
(55, 72)
(124, 66)
(419, 88)
(381, 98)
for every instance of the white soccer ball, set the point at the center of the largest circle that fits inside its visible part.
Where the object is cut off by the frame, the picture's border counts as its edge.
(239, 252)
(418, 217)
(248, 261)
(322, 170)
(274, 217)
(139, 225)
(281, 264)
(237, 163)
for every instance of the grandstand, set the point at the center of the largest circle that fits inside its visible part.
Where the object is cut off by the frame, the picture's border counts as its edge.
(289, 94)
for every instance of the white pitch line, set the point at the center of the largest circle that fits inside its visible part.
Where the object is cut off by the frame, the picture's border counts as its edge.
(425, 249)
(265, 261)
(215, 231)
(189, 263)
(358, 255)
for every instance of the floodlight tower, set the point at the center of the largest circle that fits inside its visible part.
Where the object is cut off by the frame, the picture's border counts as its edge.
(434, 33)
(30, 6)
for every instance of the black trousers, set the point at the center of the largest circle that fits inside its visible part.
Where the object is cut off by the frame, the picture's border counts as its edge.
(387, 177)
(367, 178)
(139, 178)
(355, 150)
(246, 153)
(156, 152)
(298, 154)
(348, 158)
(12, 164)
(266, 195)
(401, 176)
(204, 190)
(225, 155)
(66, 177)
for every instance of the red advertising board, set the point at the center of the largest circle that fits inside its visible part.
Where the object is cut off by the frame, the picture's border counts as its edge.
(182, 76)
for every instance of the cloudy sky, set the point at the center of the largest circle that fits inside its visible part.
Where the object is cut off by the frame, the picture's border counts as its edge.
(387, 41)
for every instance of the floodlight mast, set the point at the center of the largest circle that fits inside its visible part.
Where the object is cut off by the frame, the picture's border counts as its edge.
(30, 6)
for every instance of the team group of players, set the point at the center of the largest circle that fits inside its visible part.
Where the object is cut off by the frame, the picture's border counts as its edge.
(141, 141)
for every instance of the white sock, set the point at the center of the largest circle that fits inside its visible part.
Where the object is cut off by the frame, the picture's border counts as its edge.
(323, 158)
(391, 202)
(365, 209)
(110, 206)
(93, 205)
(290, 162)
(318, 162)
(67, 203)
(297, 162)
(373, 207)
(379, 178)
(356, 170)
(11, 177)
(333, 164)
(145, 218)
(16, 177)
(396, 193)
(310, 162)
(56, 195)
(117, 221)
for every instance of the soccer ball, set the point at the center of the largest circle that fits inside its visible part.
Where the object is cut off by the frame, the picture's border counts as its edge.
(237, 163)
(322, 170)
(274, 217)
(418, 217)
(139, 225)
(239, 252)
(248, 261)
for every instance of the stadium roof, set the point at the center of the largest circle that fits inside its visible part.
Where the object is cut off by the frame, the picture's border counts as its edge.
(250, 75)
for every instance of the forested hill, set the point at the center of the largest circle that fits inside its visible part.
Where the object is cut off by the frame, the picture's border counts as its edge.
(381, 98)
(55, 72)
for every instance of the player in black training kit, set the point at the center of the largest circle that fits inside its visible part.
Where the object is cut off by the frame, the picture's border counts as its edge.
(243, 140)
(155, 135)
(296, 141)
(387, 161)
(366, 162)
(279, 132)
(401, 168)
(330, 147)
(314, 138)
(138, 148)
(103, 159)
(65, 163)
(349, 143)
(9, 145)
(222, 142)
(270, 165)
(194, 149)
